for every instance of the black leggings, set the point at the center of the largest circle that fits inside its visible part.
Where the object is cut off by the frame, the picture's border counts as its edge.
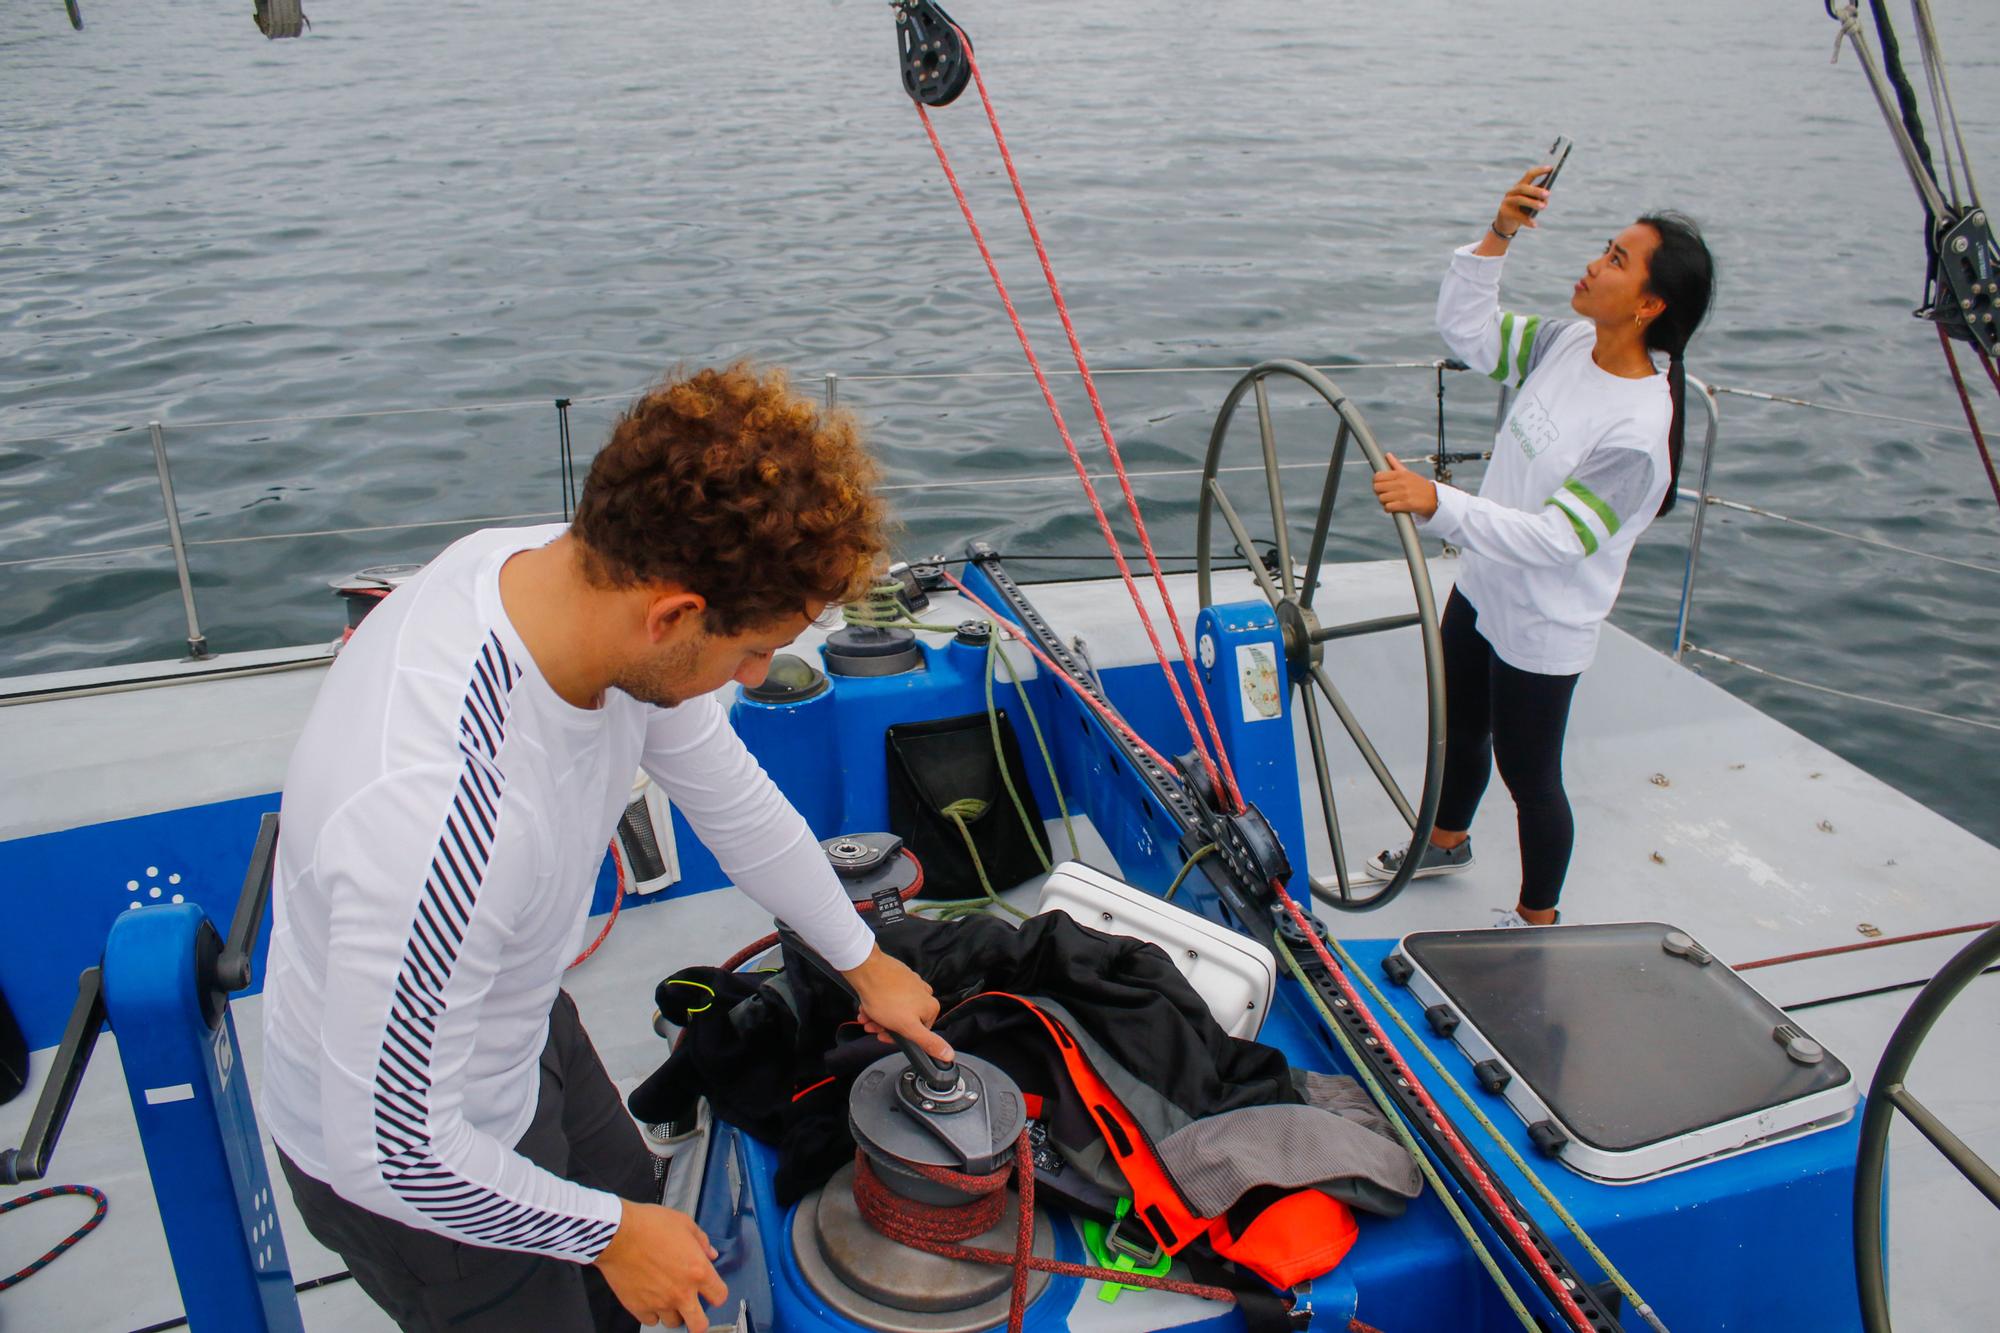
(1495, 711)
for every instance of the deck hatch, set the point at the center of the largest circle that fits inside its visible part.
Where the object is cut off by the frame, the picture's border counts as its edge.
(1646, 1058)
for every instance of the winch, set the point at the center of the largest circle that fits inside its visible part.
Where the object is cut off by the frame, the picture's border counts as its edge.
(936, 1142)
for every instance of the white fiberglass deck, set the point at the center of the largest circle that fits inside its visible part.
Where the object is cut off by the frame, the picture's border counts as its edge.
(1691, 808)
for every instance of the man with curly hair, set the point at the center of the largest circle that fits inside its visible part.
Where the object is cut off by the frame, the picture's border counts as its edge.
(442, 1118)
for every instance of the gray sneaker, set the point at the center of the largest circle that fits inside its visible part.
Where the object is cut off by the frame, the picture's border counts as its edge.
(1434, 860)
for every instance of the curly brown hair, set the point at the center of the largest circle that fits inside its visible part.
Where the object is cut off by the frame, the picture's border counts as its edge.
(732, 485)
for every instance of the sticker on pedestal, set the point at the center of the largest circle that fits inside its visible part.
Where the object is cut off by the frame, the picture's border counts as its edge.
(1257, 677)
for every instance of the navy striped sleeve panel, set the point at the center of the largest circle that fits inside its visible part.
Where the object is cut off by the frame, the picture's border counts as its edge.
(402, 1094)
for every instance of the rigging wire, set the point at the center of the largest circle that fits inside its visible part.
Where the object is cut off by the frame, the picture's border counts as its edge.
(1965, 401)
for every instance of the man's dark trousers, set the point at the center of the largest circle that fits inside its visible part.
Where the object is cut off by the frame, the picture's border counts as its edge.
(429, 1283)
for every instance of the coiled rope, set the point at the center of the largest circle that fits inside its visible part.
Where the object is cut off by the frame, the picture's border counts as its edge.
(61, 1247)
(943, 1229)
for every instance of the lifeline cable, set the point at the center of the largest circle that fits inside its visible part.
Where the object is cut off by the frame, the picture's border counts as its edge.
(61, 1247)
(1863, 944)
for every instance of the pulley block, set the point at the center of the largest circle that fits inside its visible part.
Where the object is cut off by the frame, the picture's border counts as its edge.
(932, 52)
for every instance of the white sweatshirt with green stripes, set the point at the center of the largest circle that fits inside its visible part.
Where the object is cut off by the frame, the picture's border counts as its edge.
(1579, 468)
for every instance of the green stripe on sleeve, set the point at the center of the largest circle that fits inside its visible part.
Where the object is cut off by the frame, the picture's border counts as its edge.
(1527, 349)
(1583, 532)
(1597, 506)
(1499, 373)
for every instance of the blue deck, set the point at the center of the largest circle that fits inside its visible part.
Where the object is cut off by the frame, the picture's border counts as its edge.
(1755, 1242)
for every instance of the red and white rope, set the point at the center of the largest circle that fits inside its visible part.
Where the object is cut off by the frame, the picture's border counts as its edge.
(1223, 780)
(1222, 783)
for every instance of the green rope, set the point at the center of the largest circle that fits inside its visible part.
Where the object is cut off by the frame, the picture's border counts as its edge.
(1417, 1154)
(972, 808)
(1597, 1255)
(1186, 866)
(1035, 835)
(881, 608)
(878, 608)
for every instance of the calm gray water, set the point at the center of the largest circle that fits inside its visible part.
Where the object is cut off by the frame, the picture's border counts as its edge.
(467, 205)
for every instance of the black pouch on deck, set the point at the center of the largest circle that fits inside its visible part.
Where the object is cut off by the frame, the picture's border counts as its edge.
(931, 766)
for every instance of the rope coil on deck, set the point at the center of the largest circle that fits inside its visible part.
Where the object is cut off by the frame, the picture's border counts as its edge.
(61, 1247)
(941, 1229)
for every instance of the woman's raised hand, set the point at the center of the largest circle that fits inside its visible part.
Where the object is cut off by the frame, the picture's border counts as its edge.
(1524, 199)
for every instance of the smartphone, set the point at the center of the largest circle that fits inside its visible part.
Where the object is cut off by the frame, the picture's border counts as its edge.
(1558, 154)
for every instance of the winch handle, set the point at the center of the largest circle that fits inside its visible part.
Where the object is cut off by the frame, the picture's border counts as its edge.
(938, 1075)
(31, 1160)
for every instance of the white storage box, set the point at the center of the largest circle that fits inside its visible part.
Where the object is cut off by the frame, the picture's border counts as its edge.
(1233, 973)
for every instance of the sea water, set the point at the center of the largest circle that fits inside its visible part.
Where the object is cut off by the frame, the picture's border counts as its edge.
(488, 207)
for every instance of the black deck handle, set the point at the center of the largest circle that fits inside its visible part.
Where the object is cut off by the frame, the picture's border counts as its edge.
(939, 1076)
(31, 1160)
(232, 969)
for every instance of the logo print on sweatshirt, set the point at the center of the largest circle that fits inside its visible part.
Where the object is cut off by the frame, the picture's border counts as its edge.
(1531, 425)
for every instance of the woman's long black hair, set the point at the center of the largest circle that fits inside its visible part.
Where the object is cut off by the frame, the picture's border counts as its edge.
(1681, 273)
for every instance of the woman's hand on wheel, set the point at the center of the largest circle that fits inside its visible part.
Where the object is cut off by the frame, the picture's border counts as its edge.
(1522, 202)
(1402, 491)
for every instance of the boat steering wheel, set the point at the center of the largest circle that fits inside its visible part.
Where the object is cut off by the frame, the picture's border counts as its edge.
(1305, 637)
(1886, 1096)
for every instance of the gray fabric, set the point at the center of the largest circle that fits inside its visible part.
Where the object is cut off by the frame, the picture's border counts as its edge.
(1622, 478)
(1546, 334)
(429, 1282)
(1146, 1105)
(1337, 1143)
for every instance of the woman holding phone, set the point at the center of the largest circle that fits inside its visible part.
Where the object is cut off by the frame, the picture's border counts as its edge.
(1589, 454)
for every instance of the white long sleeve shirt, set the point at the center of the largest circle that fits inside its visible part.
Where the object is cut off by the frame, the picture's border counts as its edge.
(444, 817)
(1579, 468)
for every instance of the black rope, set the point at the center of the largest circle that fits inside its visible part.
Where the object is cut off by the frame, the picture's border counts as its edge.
(1440, 461)
(303, 1287)
(565, 458)
(1906, 96)
(1877, 990)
